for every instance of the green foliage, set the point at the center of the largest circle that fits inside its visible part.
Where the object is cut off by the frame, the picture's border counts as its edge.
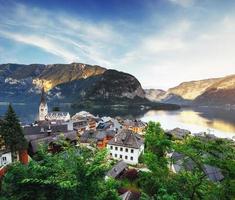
(71, 174)
(12, 133)
(161, 183)
(56, 109)
(156, 140)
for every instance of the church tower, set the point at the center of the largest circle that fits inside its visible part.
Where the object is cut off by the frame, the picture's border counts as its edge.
(43, 109)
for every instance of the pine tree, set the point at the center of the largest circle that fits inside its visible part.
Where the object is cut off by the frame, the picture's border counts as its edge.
(12, 133)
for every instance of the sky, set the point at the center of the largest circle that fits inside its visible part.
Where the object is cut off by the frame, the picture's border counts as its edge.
(161, 42)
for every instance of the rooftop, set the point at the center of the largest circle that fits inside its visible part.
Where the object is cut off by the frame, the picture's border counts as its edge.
(127, 138)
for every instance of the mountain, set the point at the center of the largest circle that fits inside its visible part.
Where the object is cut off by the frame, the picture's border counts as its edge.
(111, 85)
(215, 91)
(220, 93)
(76, 83)
(21, 83)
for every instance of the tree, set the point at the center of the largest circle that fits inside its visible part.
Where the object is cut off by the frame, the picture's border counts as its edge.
(189, 183)
(56, 109)
(12, 133)
(72, 174)
(156, 140)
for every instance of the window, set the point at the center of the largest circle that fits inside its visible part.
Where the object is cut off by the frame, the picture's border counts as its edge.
(111, 147)
(111, 154)
(132, 150)
(126, 149)
(131, 158)
(126, 157)
(120, 156)
(4, 158)
(116, 148)
(115, 155)
(121, 149)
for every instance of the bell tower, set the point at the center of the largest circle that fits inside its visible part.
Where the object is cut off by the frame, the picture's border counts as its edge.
(43, 108)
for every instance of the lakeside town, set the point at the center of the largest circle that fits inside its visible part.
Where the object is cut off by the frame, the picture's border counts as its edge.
(123, 139)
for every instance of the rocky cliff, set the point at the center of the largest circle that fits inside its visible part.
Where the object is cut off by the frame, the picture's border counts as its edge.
(215, 91)
(66, 82)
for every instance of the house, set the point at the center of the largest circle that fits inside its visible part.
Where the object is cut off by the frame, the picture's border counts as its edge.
(5, 158)
(103, 137)
(129, 195)
(117, 170)
(51, 141)
(181, 162)
(99, 138)
(51, 116)
(80, 126)
(178, 133)
(88, 137)
(85, 116)
(127, 146)
(58, 116)
(108, 123)
(137, 126)
(47, 133)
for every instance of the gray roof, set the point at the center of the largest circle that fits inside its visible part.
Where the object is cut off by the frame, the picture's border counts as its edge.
(117, 169)
(42, 129)
(178, 133)
(88, 136)
(182, 162)
(72, 136)
(93, 136)
(127, 138)
(134, 123)
(126, 196)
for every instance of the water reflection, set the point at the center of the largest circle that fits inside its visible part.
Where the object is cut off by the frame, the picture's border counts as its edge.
(194, 120)
(220, 122)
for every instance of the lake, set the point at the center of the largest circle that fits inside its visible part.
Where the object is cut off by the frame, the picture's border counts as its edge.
(218, 121)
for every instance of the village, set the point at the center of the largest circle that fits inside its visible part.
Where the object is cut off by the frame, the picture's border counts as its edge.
(123, 139)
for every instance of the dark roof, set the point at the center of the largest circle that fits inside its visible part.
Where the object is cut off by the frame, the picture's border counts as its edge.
(181, 162)
(105, 125)
(178, 133)
(117, 169)
(37, 130)
(127, 138)
(88, 136)
(134, 123)
(72, 136)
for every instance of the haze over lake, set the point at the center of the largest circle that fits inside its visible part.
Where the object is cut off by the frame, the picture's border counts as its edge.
(218, 121)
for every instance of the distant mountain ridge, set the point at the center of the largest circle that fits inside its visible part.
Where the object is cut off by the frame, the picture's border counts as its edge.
(215, 91)
(70, 83)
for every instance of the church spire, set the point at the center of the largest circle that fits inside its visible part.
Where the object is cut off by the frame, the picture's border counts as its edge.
(43, 109)
(43, 96)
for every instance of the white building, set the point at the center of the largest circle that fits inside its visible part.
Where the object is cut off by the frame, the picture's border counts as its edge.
(58, 116)
(43, 108)
(51, 116)
(126, 146)
(5, 158)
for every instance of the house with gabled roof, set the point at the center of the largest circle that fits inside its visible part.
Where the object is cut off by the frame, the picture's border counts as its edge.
(127, 146)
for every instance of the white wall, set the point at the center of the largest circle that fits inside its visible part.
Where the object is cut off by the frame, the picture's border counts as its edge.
(135, 155)
(5, 159)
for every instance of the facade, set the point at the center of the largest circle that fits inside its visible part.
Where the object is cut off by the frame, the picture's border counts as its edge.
(137, 126)
(50, 116)
(43, 108)
(5, 158)
(58, 116)
(126, 146)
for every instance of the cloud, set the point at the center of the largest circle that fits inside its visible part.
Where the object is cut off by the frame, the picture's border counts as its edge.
(183, 3)
(70, 38)
(188, 53)
(168, 48)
